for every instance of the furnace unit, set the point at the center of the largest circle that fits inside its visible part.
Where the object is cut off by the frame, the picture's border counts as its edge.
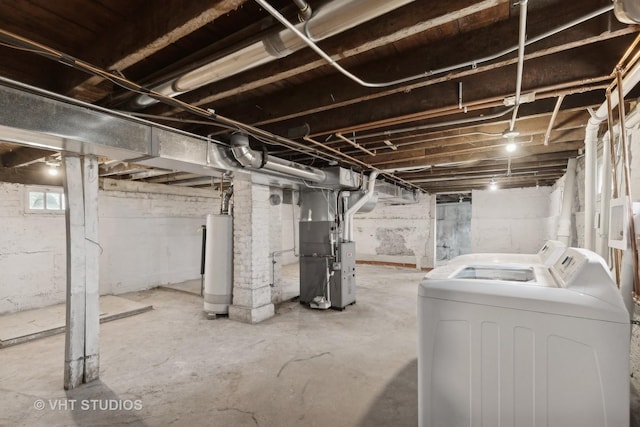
(327, 249)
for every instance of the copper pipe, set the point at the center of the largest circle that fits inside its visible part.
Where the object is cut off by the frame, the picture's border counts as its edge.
(355, 144)
(614, 176)
(626, 55)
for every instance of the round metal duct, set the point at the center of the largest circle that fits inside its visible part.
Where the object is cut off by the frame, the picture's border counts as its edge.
(627, 11)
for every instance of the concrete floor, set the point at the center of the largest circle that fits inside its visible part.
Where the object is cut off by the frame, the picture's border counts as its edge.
(172, 366)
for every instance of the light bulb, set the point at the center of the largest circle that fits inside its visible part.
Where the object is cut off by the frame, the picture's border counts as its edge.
(511, 147)
(53, 171)
(493, 186)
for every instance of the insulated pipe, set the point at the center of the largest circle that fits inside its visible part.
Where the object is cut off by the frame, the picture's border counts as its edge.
(332, 18)
(254, 160)
(348, 217)
(564, 224)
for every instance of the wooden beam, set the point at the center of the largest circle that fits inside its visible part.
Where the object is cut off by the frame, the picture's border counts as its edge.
(34, 174)
(154, 29)
(412, 19)
(495, 152)
(23, 156)
(315, 97)
(83, 256)
(543, 72)
(122, 169)
(459, 173)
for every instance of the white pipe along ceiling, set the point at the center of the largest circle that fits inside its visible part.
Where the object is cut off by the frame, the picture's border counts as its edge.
(590, 141)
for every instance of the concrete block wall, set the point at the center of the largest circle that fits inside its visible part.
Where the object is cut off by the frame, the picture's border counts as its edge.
(32, 253)
(510, 220)
(149, 235)
(397, 233)
(453, 230)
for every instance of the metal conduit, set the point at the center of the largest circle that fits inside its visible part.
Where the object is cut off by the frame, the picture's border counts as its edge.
(521, 41)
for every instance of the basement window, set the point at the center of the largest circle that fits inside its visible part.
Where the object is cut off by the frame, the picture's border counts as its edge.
(45, 199)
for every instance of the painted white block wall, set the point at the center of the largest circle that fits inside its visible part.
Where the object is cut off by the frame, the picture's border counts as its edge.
(510, 220)
(149, 234)
(397, 233)
(453, 230)
(32, 253)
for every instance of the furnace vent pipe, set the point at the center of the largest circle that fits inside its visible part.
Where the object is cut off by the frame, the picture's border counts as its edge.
(590, 163)
(348, 217)
(605, 198)
(564, 224)
(255, 160)
(591, 137)
(332, 18)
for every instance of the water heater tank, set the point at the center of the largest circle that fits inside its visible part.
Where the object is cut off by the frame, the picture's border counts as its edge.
(218, 265)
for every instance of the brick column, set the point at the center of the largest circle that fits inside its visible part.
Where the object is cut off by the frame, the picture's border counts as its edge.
(251, 261)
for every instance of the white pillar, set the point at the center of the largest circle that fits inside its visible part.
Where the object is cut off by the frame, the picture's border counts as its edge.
(590, 161)
(433, 231)
(83, 251)
(251, 257)
(605, 199)
(564, 223)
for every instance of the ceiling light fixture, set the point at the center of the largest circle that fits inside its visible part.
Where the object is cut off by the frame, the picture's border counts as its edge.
(54, 166)
(390, 144)
(510, 133)
(511, 147)
(493, 185)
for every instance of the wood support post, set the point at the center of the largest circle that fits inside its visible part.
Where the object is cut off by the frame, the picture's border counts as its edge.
(83, 253)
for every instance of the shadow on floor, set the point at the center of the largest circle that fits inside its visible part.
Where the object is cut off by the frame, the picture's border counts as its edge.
(635, 407)
(96, 404)
(397, 405)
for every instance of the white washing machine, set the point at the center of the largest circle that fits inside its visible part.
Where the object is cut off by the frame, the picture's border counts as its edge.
(515, 345)
(547, 255)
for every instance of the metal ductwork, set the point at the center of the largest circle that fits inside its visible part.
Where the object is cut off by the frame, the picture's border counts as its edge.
(348, 216)
(627, 11)
(252, 159)
(333, 18)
